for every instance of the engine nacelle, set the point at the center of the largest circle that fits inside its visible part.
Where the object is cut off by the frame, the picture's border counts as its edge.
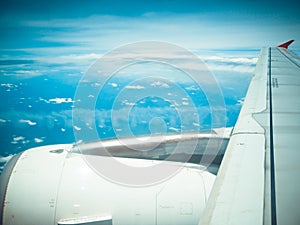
(51, 185)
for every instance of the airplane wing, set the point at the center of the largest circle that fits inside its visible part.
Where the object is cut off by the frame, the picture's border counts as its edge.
(258, 181)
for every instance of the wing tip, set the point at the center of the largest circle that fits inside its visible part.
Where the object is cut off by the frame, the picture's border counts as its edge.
(286, 44)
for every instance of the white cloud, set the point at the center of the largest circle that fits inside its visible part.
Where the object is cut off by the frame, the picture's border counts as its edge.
(159, 84)
(29, 122)
(93, 84)
(126, 102)
(113, 84)
(224, 59)
(7, 85)
(77, 128)
(22, 73)
(61, 100)
(38, 140)
(71, 58)
(57, 100)
(230, 63)
(136, 87)
(74, 59)
(192, 88)
(230, 67)
(20, 138)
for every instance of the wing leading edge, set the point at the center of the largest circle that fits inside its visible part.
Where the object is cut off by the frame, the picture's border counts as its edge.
(258, 179)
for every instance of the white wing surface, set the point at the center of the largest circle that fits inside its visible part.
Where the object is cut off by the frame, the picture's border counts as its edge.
(258, 181)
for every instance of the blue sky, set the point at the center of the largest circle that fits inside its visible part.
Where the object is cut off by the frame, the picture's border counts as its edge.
(103, 24)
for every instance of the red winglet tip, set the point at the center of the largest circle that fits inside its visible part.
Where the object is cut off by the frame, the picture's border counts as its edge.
(286, 44)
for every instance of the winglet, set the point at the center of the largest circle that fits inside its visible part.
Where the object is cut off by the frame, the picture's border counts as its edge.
(286, 44)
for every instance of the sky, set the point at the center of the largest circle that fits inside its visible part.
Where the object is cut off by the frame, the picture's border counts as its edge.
(100, 25)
